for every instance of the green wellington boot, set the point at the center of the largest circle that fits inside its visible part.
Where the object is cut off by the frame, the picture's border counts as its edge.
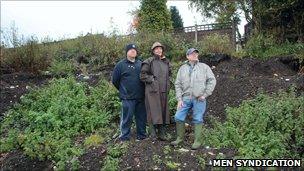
(180, 132)
(197, 136)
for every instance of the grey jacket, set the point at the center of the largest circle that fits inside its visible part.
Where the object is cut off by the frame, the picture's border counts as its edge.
(199, 82)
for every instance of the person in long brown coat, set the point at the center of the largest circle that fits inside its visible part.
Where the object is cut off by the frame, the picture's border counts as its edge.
(156, 73)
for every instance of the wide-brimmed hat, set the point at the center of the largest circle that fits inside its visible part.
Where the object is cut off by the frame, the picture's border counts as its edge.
(157, 44)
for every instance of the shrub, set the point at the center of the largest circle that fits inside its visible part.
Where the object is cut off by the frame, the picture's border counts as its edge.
(29, 57)
(264, 127)
(172, 102)
(257, 45)
(264, 47)
(47, 120)
(100, 50)
(172, 95)
(104, 50)
(62, 67)
(105, 96)
(215, 43)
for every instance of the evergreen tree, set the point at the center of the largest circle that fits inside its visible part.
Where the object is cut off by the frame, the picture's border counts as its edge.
(154, 16)
(177, 20)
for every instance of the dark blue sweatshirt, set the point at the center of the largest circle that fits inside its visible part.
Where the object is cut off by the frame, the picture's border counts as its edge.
(126, 79)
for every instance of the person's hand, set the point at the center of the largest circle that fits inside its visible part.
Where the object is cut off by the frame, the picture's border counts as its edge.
(180, 104)
(201, 98)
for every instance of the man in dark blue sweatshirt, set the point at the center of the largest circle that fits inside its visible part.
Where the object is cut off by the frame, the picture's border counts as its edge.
(126, 79)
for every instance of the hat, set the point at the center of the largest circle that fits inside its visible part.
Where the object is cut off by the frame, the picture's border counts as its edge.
(131, 46)
(191, 50)
(157, 44)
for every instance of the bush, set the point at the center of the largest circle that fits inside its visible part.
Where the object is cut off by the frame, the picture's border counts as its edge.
(215, 43)
(61, 67)
(100, 50)
(47, 120)
(104, 50)
(29, 57)
(264, 47)
(257, 45)
(264, 127)
(172, 95)
(105, 96)
(172, 102)
(22, 54)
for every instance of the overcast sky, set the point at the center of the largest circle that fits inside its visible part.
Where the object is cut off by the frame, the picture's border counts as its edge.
(68, 19)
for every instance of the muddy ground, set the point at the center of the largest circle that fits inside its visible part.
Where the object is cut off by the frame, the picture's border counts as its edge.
(237, 79)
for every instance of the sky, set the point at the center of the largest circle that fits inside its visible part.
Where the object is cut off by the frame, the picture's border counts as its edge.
(69, 19)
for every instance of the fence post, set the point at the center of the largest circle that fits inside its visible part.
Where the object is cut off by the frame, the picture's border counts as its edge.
(195, 38)
(234, 33)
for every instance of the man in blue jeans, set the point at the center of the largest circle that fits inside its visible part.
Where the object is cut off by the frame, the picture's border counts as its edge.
(194, 83)
(131, 92)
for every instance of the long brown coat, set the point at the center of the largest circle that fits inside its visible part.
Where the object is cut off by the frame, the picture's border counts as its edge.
(156, 73)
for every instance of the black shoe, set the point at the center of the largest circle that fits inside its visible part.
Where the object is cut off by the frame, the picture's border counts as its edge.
(141, 138)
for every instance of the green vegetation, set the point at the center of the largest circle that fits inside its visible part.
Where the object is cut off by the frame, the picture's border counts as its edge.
(47, 120)
(114, 153)
(172, 165)
(167, 149)
(223, 10)
(93, 140)
(61, 67)
(201, 160)
(265, 46)
(62, 58)
(281, 18)
(154, 16)
(177, 21)
(264, 127)
(157, 159)
(215, 43)
(29, 57)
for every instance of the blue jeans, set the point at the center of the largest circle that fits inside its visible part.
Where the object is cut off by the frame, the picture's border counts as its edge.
(130, 108)
(198, 107)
